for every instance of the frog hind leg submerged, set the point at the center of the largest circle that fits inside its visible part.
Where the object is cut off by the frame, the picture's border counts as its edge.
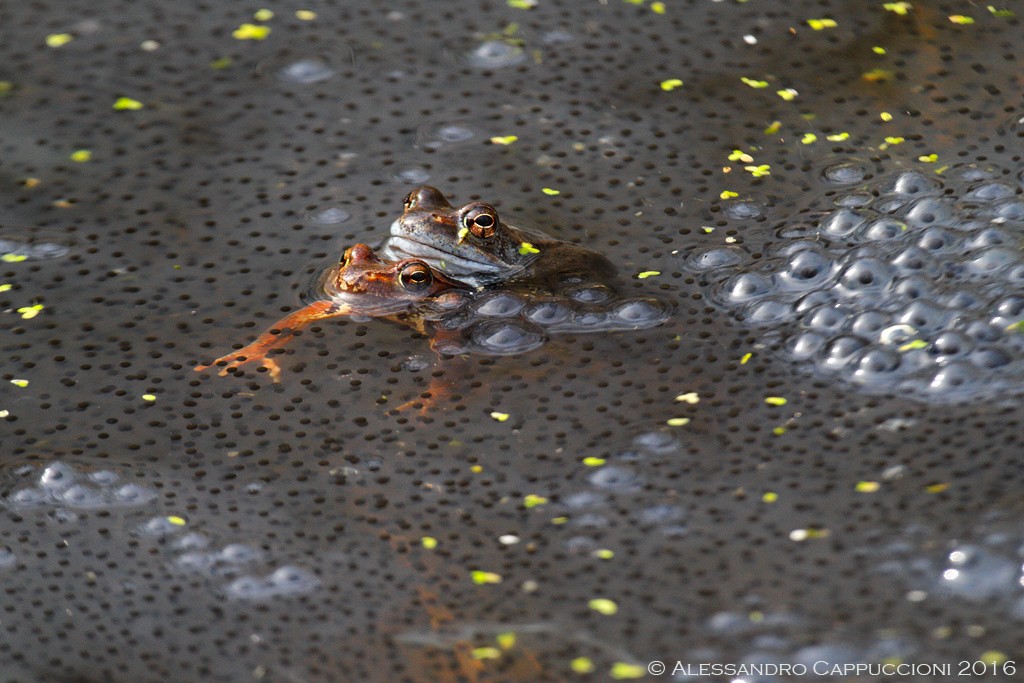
(277, 336)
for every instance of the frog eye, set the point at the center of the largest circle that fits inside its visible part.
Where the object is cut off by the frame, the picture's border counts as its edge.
(480, 219)
(416, 277)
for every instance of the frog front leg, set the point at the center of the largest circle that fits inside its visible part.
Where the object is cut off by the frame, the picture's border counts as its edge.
(277, 336)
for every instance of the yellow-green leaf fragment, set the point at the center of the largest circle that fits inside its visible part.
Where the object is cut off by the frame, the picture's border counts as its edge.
(428, 542)
(5, 287)
(532, 500)
(221, 63)
(148, 397)
(740, 155)
(506, 641)
(758, 171)
(658, 7)
(643, 275)
(753, 83)
(13, 258)
(603, 606)
(778, 431)
(591, 461)
(1013, 327)
(671, 84)
(58, 39)
(123, 103)
(808, 534)
(788, 94)
(624, 671)
(677, 421)
(808, 138)
(176, 520)
(263, 15)
(581, 665)
(20, 383)
(728, 194)
(773, 128)
(877, 76)
(928, 158)
(522, 4)
(936, 488)
(690, 397)
(769, 497)
(485, 653)
(878, 50)
(527, 248)
(550, 192)
(867, 486)
(900, 8)
(745, 358)
(820, 24)
(998, 12)
(463, 232)
(305, 15)
(894, 140)
(775, 400)
(837, 137)
(559, 520)
(913, 345)
(961, 19)
(250, 32)
(885, 116)
(29, 312)
(992, 657)
(504, 139)
(482, 578)
(81, 156)
(603, 554)
(500, 417)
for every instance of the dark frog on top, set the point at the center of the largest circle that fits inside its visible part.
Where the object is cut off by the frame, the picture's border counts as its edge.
(529, 285)
(473, 245)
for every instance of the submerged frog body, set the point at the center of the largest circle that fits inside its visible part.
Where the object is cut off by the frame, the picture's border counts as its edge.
(361, 284)
(473, 245)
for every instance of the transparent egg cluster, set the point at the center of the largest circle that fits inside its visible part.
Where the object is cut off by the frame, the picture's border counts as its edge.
(912, 284)
(508, 321)
(60, 485)
(238, 570)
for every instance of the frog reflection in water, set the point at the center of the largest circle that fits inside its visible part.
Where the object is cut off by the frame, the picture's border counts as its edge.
(530, 284)
(407, 291)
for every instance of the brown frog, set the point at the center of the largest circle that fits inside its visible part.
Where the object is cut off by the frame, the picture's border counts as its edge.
(362, 284)
(473, 245)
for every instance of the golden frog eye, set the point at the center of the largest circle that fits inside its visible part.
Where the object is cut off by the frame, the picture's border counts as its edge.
(416, 277)
(480, 219)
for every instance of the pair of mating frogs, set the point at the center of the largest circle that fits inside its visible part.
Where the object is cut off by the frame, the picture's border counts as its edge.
(469, 281)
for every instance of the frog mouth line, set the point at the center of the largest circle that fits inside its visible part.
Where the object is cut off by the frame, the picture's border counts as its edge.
(399, 247)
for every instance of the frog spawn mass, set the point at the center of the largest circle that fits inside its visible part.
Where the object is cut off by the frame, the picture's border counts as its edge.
(911, 284)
